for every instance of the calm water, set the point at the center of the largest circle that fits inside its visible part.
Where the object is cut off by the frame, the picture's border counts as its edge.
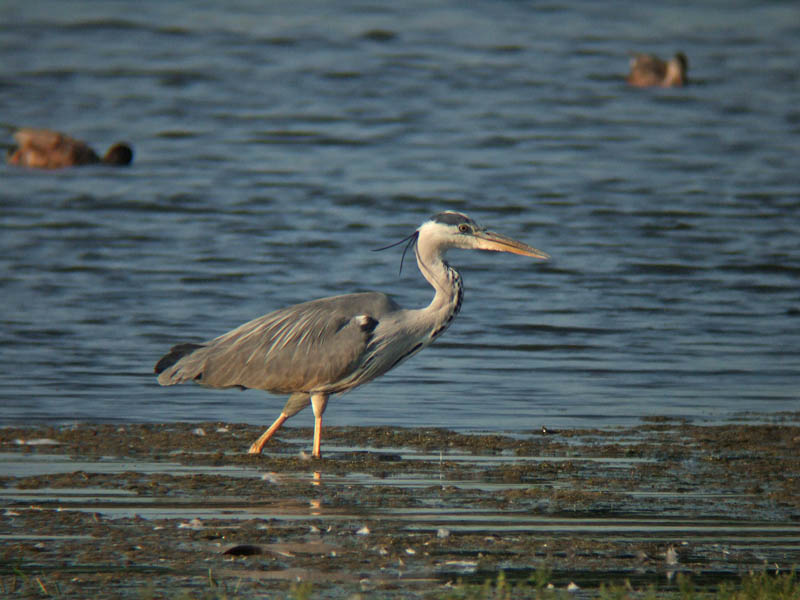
(277, 143)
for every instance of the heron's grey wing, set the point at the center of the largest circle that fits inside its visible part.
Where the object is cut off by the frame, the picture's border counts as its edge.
(306, 347)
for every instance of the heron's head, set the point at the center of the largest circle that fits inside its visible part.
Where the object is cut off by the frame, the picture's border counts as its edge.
(452, 229)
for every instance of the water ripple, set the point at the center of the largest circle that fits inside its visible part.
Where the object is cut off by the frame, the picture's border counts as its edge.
(275, 147)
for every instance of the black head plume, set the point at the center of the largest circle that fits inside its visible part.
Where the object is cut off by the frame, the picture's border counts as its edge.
(412, 239)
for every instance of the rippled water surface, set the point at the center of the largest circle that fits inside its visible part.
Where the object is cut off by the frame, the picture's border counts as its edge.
(278, 143)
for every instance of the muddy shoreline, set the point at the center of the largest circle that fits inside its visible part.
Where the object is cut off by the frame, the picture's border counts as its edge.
(156, 510)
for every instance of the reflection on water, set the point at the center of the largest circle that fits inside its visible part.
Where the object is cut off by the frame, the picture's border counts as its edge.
(276, 145)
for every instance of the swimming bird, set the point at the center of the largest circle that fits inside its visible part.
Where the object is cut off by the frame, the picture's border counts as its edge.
(331, 345)
(47, 149)
(650, 71)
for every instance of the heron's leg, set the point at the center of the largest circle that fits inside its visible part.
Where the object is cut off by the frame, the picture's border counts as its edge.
(294, 405)
(259, 444)
(318, 402)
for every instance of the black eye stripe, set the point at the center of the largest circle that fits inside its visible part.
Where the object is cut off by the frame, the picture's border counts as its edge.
(452, 218)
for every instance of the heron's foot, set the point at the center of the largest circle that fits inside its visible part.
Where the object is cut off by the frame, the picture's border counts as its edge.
(259, 444)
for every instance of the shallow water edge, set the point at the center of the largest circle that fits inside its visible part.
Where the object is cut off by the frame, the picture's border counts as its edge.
(399, 512)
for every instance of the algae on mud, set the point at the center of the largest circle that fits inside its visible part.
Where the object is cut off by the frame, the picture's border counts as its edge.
(392, 512)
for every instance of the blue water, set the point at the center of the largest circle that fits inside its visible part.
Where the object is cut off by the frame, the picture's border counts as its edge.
(278, 143)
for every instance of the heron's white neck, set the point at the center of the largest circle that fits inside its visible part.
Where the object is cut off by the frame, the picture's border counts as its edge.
(445, 280)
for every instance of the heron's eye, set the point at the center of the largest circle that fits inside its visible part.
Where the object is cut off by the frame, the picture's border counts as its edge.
(463, 228)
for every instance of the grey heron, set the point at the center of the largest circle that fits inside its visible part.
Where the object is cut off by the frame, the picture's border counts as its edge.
(332, 345)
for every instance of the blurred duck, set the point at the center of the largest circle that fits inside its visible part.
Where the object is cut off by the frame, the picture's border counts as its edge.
(46, 149)
(648, 71)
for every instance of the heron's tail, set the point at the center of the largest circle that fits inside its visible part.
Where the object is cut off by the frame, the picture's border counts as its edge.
(170, 359)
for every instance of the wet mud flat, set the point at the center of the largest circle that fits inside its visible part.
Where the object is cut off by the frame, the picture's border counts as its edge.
(165, 510)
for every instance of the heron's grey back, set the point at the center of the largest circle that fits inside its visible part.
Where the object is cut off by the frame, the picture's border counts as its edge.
(300, 348)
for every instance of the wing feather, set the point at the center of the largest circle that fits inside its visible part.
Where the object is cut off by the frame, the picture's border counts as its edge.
(306, 347)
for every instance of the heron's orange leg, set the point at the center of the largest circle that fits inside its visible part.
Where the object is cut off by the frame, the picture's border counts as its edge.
(259, 444)
(318, 402)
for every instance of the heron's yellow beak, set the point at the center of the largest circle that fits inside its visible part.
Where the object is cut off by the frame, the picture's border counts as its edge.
(489, 240)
